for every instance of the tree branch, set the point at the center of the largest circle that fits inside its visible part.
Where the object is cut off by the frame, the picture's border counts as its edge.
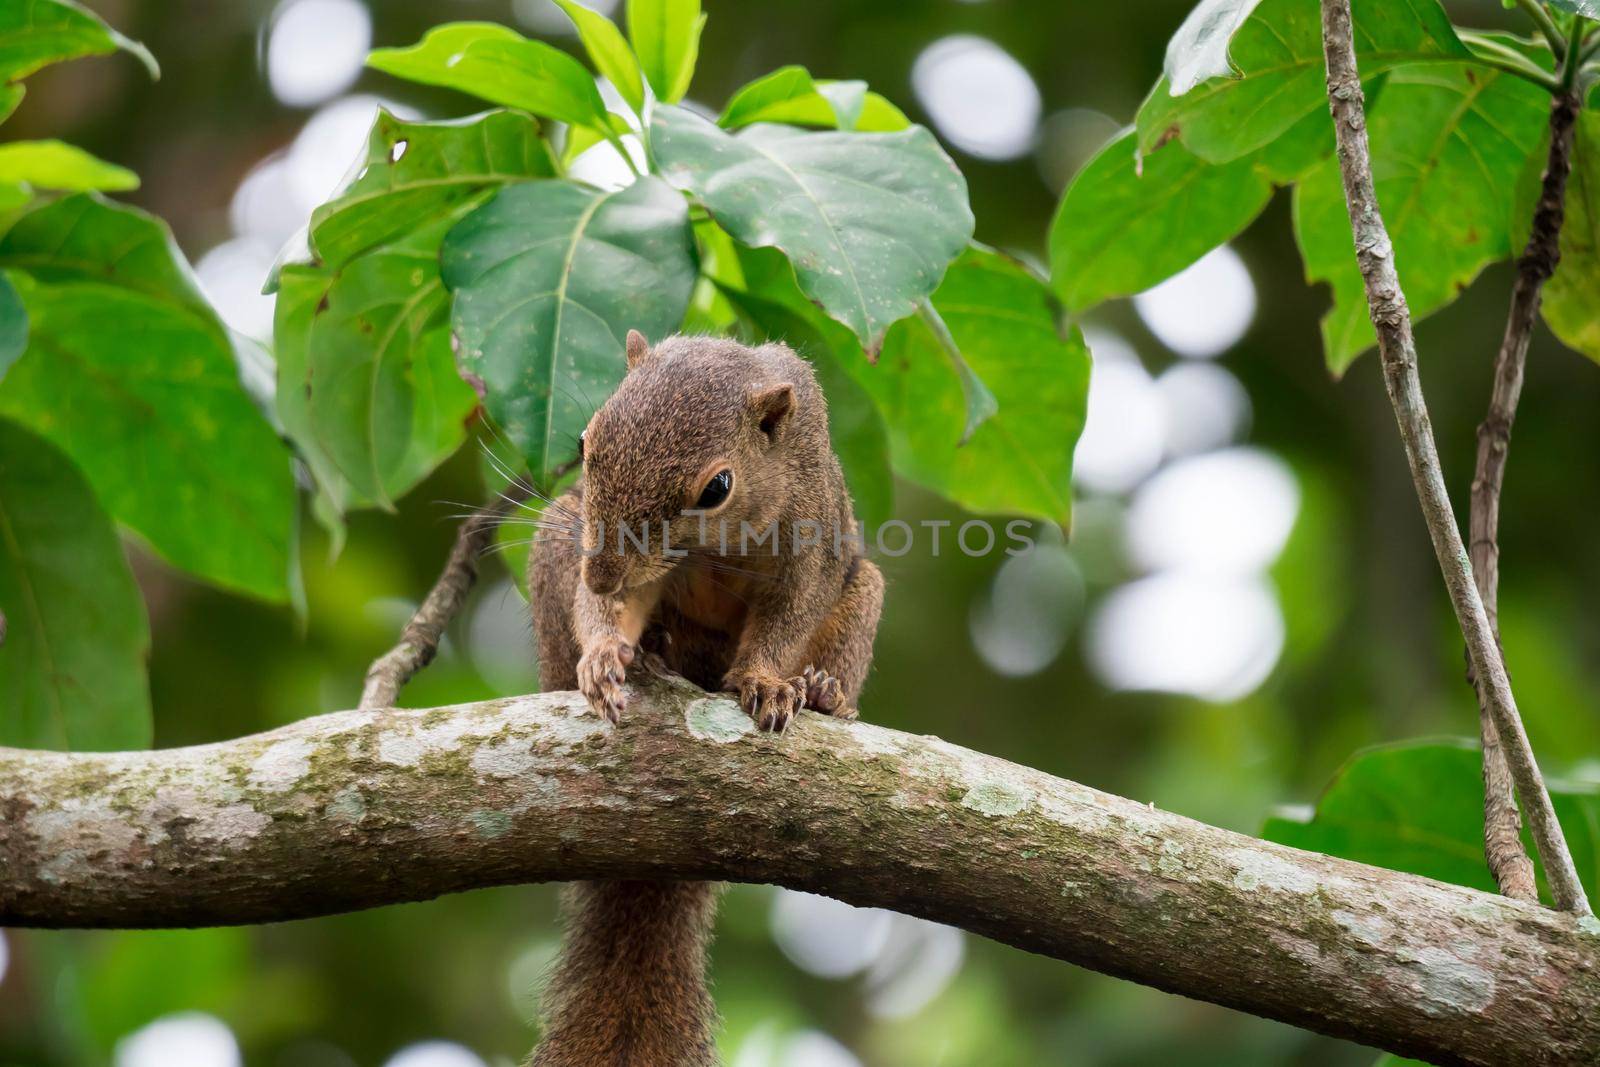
(1392, 320)
(363, 808)
(419, 641)
(1502, 827)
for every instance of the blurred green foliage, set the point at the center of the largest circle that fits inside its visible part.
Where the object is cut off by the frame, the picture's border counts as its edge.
(1371, 654)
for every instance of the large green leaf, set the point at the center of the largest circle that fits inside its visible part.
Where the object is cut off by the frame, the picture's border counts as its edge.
(1449, 143)
(72, 667)
(58, 165)
(1020, 460)
(499, 65)
(1418, 807)
(666, 37)
(549, 277)
(1239, 74)
(773, 309)
(1572, 295)
(870, 221)
(608, 51)
(415, 172)
(368, 387)
(381, 390)
(36, 33)
(13, 325)
(129, 372)
(791, 95)
(1122, 228)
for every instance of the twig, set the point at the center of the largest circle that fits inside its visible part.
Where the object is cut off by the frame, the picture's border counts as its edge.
(419, 641)
(1392, 321)
(1502, 827)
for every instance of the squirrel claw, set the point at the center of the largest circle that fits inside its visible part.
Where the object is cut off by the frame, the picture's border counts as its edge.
(770, 701)
(824, 692)
(601, 673)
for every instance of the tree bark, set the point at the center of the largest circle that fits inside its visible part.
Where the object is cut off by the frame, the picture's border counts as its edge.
(1391, 318)
(1502, 826)
(365, 808)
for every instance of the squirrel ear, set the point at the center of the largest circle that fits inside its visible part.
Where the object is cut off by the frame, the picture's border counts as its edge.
(771, 406)
(638, 348)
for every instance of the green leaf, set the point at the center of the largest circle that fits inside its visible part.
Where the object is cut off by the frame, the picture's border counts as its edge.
(13, 325)
(501, 66)
(415, 172)
(790, 95)
(40, 32)
(609, 52)
(1589, 9)
(130, 373)
(1572, 294)
(1119, 231)
(548, 277)
(72, 666)
(666, 37)
(10, 97)
(778, 312)
(1020, 460)
(1418, 807)
(382, 394)
(58, 165)
(1449, 143)
(1242, 72)
(368, 387)
(870, 221)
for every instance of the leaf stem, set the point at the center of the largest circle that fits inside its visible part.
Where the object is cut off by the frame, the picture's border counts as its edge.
(1553, 36)
(1574, 55)
(1491, 53)
(1391, 319)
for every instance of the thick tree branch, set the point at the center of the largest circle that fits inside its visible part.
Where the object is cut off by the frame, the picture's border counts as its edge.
(1502, 827)
(1392, 320)
(364, 808)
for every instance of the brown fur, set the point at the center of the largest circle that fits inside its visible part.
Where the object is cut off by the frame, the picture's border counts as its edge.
(783, 630)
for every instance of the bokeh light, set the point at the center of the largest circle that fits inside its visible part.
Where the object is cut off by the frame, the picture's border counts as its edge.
(827, 937)
(980, 98)
(1204, 309)
(1205, 405)
(1227, 512)
(184, 1039)
(1022, 621)
(315, 49)
(1212, 636)
(435, 1054)
(1124, 436)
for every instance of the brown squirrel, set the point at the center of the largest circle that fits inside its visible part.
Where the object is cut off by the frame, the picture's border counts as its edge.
(711, 534)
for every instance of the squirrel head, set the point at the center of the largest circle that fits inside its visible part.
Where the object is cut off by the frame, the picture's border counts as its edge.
(703, 437)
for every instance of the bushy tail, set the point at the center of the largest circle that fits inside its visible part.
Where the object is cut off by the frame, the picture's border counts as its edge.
(630, 989)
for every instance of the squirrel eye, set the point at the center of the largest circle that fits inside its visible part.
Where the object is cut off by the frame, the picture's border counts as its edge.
(581, 436)
(716, 490)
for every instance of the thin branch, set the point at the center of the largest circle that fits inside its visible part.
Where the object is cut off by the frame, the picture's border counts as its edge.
(419, 641)
(1502, 826)
(361, 809)
(1392, 321)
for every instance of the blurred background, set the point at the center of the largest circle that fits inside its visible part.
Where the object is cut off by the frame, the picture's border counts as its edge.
(1247, 598)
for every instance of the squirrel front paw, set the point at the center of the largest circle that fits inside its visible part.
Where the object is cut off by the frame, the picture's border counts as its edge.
(769, 700)
(824, 693)
(601, 671)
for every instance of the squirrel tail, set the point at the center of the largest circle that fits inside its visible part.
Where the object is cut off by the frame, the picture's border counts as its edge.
(630, 989)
